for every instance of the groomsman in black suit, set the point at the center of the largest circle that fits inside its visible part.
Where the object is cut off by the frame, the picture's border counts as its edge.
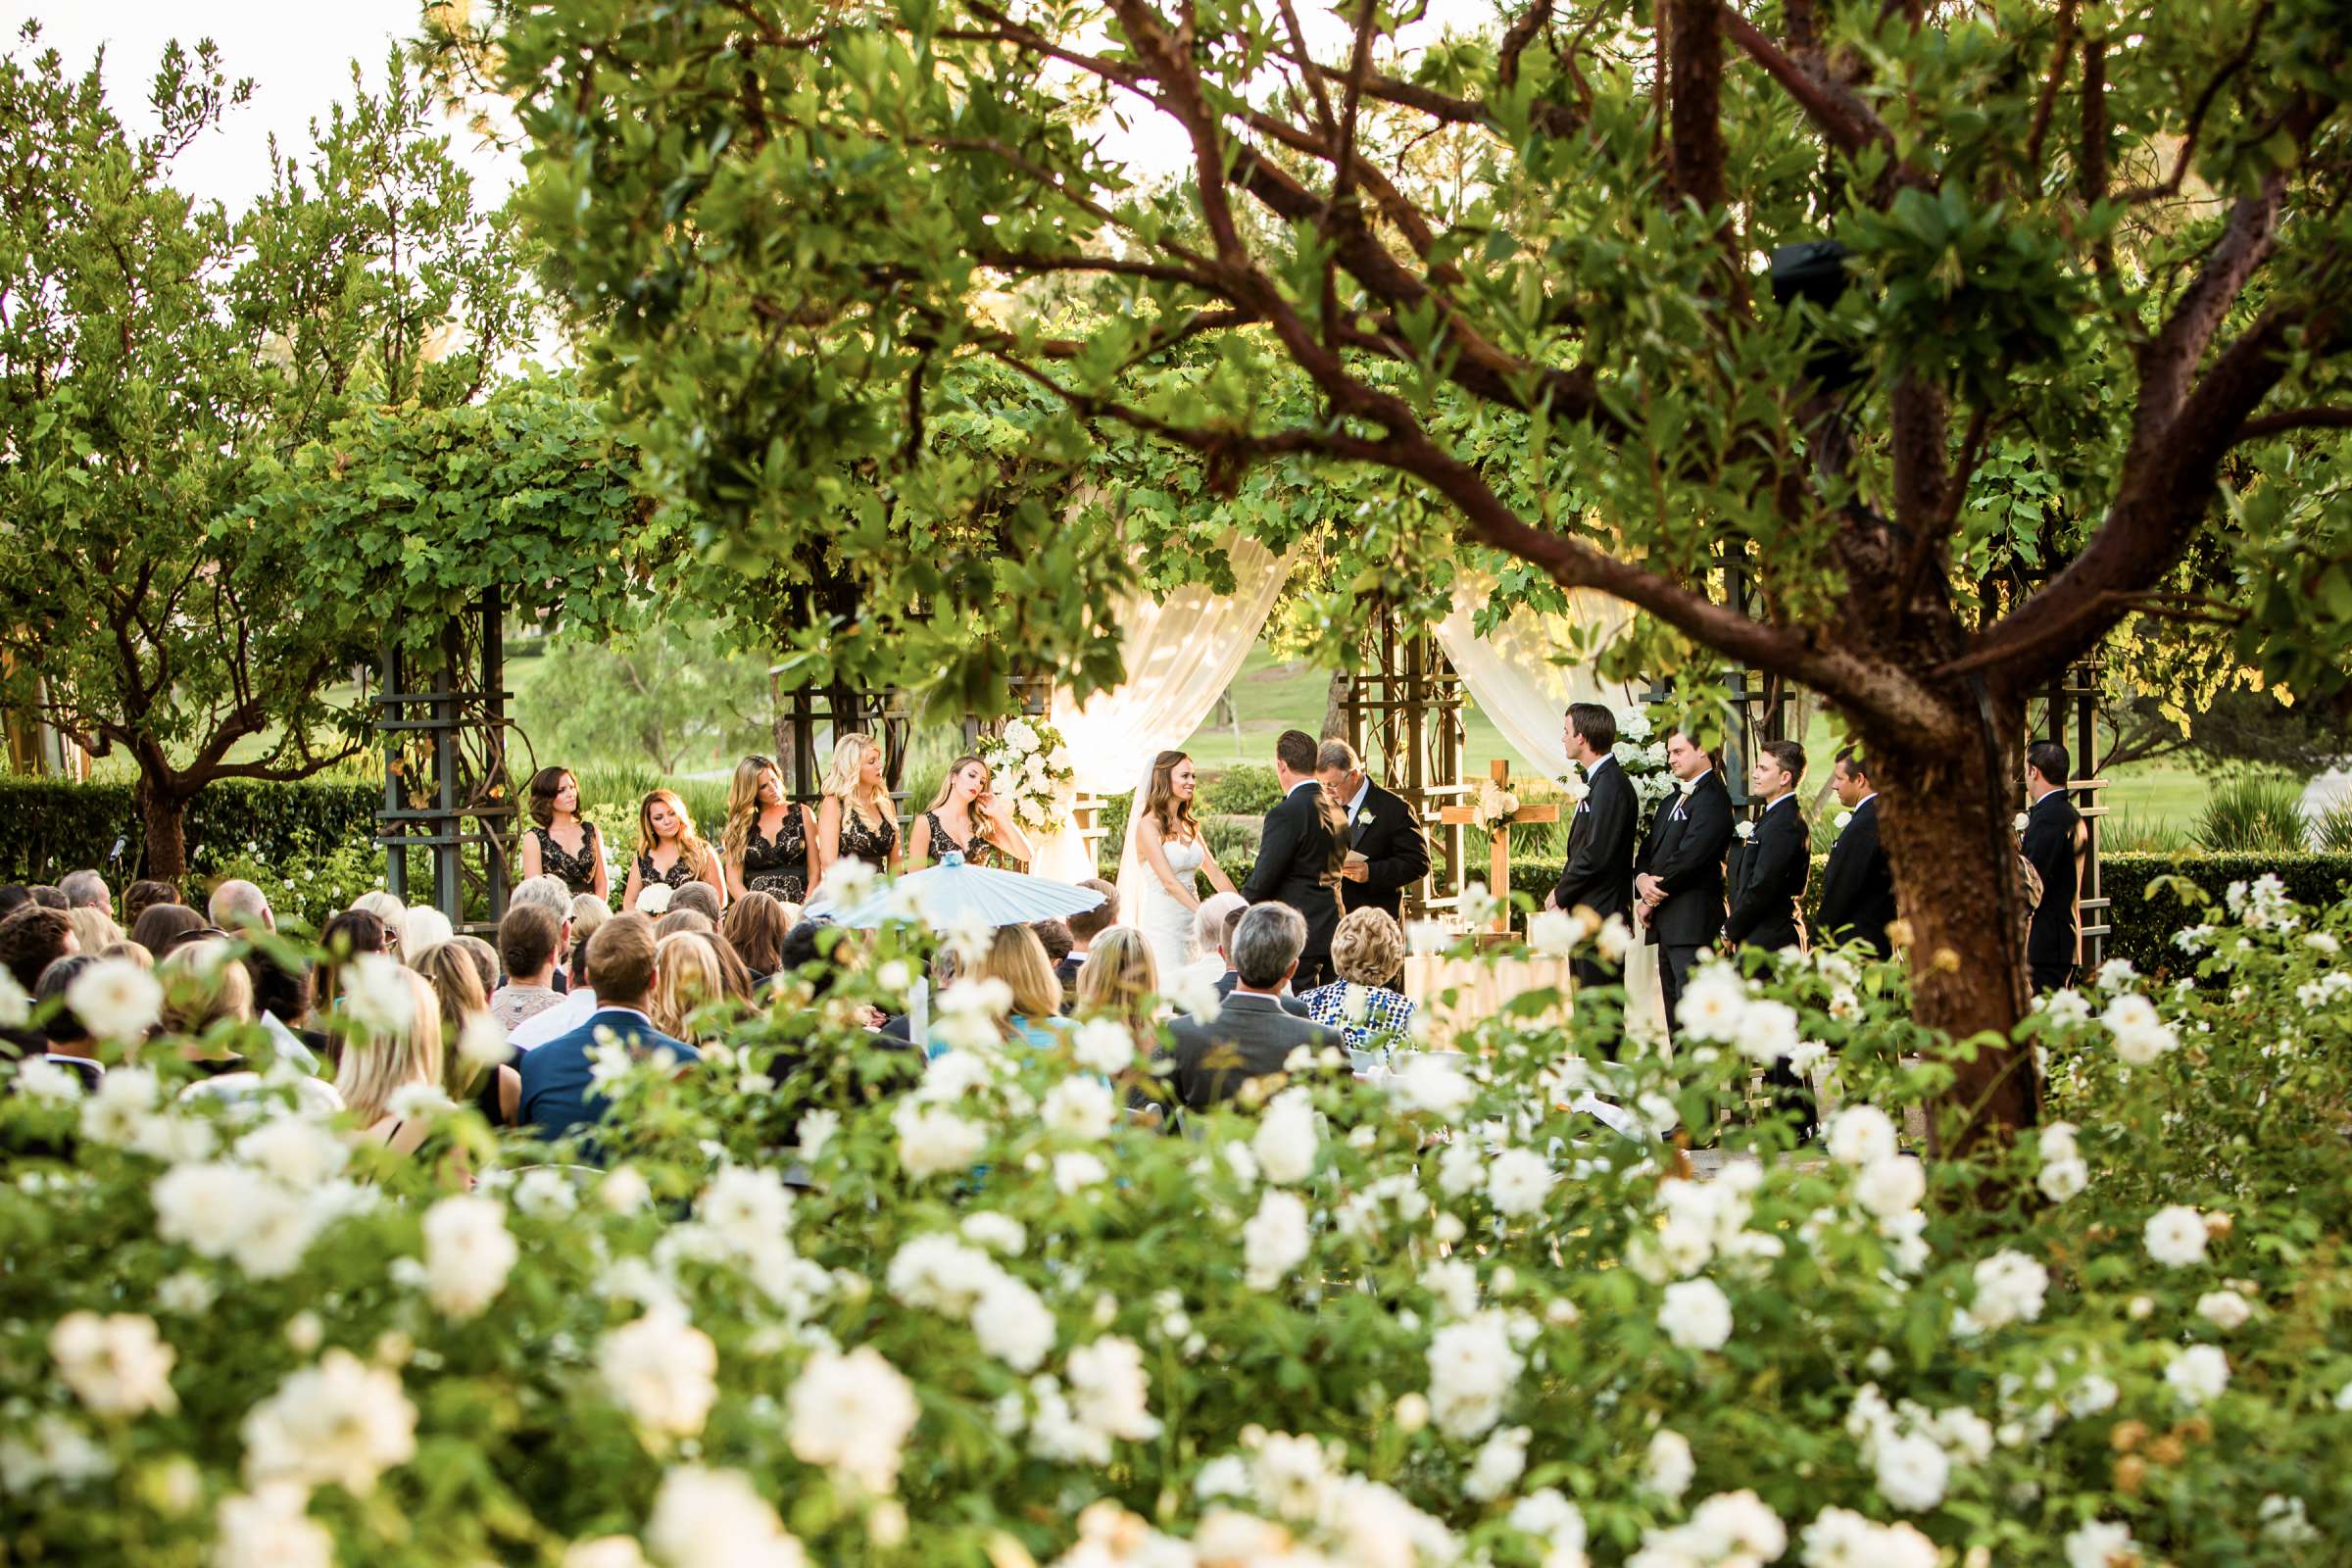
(1299, 852)
(1380, 827)
(1768, 888)
(2053, 828)
(1857, 889)
(1599, 873)
(1679, 878)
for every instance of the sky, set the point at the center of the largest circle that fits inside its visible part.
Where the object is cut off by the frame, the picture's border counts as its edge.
(298, 55)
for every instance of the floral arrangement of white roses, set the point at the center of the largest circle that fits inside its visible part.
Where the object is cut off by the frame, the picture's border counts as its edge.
(824, 1301)
(1494, 806)
(1030, 767)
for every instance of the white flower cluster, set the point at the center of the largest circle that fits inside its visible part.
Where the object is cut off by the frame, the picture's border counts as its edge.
(1473, 1365)
(2262, 904)
(1700, 1222)
(339, 1423)
(116, 1000)
(937, 1273)
(2176, 1236)
(1297, 1487)
(852, 1414)
(1721, 1005)
(1029, 764)
(2010, 1289)
(1913, 1450)
(468, 1253)
(261, 1209)
(1840, 1537)
(1887, 1185)
(116, 1365)
(1108, 1399)
(706, 1516)
(1495, 806)
(1729, 1529)
(2140, 1036)
(664, 1371)
(2064, 1174)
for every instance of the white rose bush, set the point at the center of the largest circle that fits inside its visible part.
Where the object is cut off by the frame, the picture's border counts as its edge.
(822, 1304)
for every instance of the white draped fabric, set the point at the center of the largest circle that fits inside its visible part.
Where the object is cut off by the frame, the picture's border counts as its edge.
(1512, 679)
(1179, 655)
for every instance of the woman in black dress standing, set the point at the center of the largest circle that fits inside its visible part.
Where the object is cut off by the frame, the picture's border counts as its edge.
(768, 837)
(561, 842)
(670, 851)
(967, 820)
(857, 819)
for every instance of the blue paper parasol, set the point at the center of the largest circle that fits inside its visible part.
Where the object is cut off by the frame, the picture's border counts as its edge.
(953, 892)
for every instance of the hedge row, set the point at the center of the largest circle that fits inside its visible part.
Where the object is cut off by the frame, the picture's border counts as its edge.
(49, 827)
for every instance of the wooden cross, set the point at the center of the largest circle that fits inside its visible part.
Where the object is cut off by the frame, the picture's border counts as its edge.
(1498, 850)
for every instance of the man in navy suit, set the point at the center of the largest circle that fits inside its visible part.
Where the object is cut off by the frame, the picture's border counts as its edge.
(1599, 873)
(1767, 891)
(559, 1093)
(1857, 887)
(1679, 877)
(1299, 852)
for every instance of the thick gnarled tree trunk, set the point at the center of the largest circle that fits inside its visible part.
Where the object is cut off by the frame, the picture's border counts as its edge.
(163, 818)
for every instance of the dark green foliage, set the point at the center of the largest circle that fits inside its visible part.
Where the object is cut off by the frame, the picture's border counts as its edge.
(48, 828)
(2249, 815)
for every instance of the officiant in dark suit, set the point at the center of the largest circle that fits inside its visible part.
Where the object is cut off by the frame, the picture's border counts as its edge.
(1857, 886)
(1679, 877)
(1299, 852)
(1381, 827)
(1599, 873)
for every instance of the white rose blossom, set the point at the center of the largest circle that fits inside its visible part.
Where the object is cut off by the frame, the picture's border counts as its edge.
(664, 1371)
(2176, 1236)
(1697, 1315)
(116, 1000)
(852, 1414)
(340, 1422)
(468, 1253)
(117, 1365)
(716, 1519)
(1275, 1241)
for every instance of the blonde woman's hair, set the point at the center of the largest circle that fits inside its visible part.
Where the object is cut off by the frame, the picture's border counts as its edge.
(457, 983)
(686, 976)
(845, 781)
(1368, 949)
(743, 803)
(93, 928)
(427, 929)
(588, 911)
(1119, 979)
(128, 949)
(946, 781)
(204, 984)
(691, 847)
(379, 1064)
(1019, 959)
(387, 907)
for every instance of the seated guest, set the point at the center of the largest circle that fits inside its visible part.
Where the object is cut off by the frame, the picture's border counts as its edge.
(1088, 924)
(348, 936)
(1054, 937)
(1121, 982)
(1212, 922)
(66, 1041)
(554, 894)
(690, 980)
(735, 976)
(34, 938)
(379, 1064)
(588, 911)
(559, 1093)
(1218, 949)
(700, 897)
(754, 928)
(164, 926)
(281, 1005)
(1359, 1002)
(527, 942)
(388, 908)
(1252, 1037)
(145, 895)
(130, 952)
(491, 1088)
(485, 961)
(678, 920)
(205, 986)
(13, 895)
(86, 890)
(49, 897)
(238, 905)
(94, 930)
(567, 1014)
(423, 927)
(1018, 958)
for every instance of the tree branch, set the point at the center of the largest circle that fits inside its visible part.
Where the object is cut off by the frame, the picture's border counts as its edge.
(2285, 420)
(1844, 120)
(2196, 115)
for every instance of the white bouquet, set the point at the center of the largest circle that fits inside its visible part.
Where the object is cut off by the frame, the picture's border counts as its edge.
(1496, 806)
(1031, 768)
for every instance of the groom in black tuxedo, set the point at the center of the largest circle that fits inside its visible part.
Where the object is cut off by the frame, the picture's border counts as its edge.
(1599, 873)
(1299, 852)
(1679, 877)
(1379, 828)
(1857, 887)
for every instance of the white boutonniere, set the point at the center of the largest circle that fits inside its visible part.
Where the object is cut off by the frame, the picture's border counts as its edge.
(2020, 820)
(1363, 819)
(1745, 830)
(1844, 817)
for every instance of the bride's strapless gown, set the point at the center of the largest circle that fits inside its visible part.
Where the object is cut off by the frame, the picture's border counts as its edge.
(1168, 928)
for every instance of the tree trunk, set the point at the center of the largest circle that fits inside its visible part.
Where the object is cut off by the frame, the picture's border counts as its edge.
(163, 813)
(1335, 714)
(1945, 822)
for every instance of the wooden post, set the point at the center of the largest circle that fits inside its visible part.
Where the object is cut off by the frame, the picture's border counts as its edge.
(1499, 839)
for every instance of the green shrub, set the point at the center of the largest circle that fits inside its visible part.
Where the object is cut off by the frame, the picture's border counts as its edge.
(2331, 830)
(2253, 816)
(51, 826)
(1246, 789)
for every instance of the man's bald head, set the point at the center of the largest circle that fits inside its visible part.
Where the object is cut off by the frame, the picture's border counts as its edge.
(237, 904)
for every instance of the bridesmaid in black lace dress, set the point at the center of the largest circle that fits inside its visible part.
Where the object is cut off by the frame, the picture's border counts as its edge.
(970, 822)
(857, 819)
(668, 851)
(766, 845)
(562, 843)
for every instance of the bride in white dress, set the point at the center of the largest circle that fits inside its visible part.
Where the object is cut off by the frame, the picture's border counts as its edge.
(1167, 854)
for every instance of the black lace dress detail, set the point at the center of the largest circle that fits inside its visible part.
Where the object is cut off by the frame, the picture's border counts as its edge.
(870, 844)
(678, 876)
(578, 871)
(779, 865)
(978, 851)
